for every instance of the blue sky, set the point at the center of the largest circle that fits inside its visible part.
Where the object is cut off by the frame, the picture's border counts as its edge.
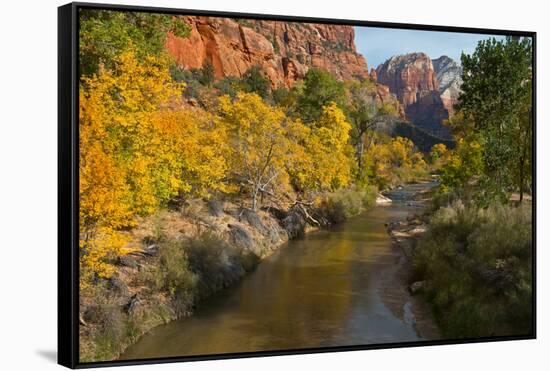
(379, 44)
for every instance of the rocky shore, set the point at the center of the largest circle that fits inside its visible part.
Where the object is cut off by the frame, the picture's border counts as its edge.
(400, 293)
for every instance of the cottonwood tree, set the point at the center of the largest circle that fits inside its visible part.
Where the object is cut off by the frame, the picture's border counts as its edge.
(329, 152)
(260, 144)
(496, 95)
(319, 89)
(365, 112)
(138, 149)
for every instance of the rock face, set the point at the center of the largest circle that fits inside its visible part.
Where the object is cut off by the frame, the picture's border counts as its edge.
(373, 75)
(428, 113)
(449, 78)
(409, 76)
(283, 50)
(413, 79)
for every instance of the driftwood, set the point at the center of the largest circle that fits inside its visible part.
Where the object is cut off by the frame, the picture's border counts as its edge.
(301, 205)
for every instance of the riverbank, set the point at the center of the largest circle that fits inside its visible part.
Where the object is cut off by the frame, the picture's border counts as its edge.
(178, 258)
(468, 265)
(175, 260)
(399, 293)
(329, 288)
(474, 267)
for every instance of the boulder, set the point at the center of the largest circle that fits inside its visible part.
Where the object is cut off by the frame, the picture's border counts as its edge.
(151, 250)
(294, 223)
(240, 236)
(253, 220)
(132, 305)
(382, 200)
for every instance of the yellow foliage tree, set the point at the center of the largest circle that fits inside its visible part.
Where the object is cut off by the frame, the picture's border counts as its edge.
(331, 163)
(439, 155)
(138, 148)
(260, 144)
(394, 160)
(190, 147)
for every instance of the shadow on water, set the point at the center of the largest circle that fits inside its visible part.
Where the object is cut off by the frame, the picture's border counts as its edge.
(321, 290)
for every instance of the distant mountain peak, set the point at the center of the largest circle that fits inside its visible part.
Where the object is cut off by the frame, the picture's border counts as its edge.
(413, 79)
(449, 78)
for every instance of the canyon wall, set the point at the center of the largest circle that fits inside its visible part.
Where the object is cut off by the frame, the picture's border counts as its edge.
(283, 50)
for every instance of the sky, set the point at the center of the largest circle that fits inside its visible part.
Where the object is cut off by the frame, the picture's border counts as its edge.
(379, 44)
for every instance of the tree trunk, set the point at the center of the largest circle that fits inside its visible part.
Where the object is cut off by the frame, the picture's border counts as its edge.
(360, 152)
(255, 198)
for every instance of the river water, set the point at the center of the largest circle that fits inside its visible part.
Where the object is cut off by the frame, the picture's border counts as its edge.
(326, 289)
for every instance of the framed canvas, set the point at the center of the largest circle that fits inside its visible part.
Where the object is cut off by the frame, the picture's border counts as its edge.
(240, 185)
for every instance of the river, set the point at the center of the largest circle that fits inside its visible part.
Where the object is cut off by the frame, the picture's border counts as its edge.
(337, 287)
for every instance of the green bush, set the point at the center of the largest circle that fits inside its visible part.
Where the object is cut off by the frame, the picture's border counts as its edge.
(477, 265)
(338, 206)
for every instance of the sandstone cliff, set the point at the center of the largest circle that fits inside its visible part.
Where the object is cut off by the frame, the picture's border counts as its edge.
(284, 50)
(449, 78)
(409, 76)
(413, 79)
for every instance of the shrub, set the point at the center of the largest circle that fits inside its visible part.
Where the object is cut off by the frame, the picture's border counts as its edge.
(338, 206)
(477, 264)
(171, 274)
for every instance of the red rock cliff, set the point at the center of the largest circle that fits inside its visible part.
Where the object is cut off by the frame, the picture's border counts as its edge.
(409, 76)
(284, 50)
(413, 79)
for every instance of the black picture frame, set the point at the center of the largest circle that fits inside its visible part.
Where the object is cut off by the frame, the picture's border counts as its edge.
(68, 176)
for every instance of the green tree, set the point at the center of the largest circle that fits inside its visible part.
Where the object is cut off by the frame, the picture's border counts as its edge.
(254, 81)
(496, 95)
(320, 89)
(105, 34)
(464, 163)
(206, 74)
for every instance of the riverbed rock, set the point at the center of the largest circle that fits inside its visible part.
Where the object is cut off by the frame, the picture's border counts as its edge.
(240, 236)
(414, 220)
(294, 224)
(253, 219)
(382, 200)
(418, 230)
